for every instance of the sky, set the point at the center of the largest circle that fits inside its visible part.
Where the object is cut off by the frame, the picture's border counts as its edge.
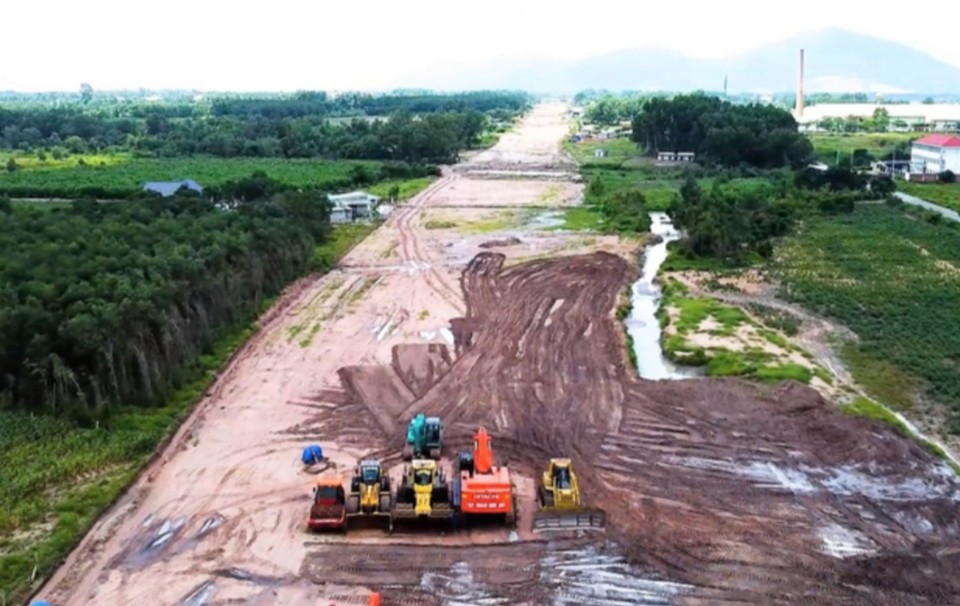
(262, 45)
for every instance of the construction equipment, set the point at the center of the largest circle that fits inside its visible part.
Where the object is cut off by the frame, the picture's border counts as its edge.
(423, 493)
(424, 438)
(482, 488)
(559, 499)
(370, 492)
(329, 511)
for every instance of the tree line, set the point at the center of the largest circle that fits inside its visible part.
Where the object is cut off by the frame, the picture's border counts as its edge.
(109, 303)
(413, 129)
(732, 223)
(722, 133)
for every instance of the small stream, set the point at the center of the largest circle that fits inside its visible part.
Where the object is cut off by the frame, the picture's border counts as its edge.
(642, 324)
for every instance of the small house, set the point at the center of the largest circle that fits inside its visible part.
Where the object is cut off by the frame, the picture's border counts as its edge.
(169, 188)
(669, 156)
(352, 206)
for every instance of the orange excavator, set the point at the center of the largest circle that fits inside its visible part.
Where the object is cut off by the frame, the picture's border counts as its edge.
(480, 487)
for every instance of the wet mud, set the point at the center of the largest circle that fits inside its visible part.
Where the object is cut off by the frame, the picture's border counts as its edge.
(723, 491)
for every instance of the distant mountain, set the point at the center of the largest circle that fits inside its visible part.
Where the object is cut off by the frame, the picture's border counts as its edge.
(836, 61)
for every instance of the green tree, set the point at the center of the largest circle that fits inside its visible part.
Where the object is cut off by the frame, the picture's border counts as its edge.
(86, 93)
(626, 212)
(880, 122)
(11, 165)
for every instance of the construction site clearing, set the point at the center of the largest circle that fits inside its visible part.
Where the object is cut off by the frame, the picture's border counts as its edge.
(705, 491)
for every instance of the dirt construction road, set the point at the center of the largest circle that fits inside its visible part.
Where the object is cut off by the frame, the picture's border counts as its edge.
(717, 492)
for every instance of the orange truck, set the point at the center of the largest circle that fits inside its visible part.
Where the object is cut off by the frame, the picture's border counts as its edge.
(480, 487)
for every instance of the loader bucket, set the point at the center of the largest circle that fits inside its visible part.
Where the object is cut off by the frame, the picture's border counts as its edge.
(569, 519)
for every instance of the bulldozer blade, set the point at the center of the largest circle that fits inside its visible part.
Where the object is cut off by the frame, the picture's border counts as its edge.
(571, 519)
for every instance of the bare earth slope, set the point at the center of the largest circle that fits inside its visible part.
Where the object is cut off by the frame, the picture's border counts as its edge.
(718, 492)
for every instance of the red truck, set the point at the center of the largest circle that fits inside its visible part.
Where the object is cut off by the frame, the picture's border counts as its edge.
(329, 510)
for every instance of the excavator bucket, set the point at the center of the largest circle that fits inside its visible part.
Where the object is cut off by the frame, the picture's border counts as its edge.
(547, 520)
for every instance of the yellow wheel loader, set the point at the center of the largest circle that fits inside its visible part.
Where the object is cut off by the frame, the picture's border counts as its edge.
(423, 493)
(370, 495)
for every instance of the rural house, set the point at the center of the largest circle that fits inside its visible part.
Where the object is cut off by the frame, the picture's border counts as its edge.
(667, 156)
(168, 188)
(935, 154)
(352, 206)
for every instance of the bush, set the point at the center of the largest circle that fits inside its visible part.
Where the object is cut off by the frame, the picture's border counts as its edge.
(947, 176)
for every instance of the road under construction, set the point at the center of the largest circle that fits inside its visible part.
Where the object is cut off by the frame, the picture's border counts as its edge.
(715, 491)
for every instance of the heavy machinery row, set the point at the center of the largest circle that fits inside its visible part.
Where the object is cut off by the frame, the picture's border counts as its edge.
(479, 490)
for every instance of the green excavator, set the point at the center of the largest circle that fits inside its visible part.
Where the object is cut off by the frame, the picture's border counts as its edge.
(424, 438)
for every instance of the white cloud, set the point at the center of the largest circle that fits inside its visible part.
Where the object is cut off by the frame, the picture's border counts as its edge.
(367, 44)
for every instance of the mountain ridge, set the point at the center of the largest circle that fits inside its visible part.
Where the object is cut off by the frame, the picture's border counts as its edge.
(837, 61)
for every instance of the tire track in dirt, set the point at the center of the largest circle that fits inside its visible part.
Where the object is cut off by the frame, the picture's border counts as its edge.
(744, 493)
(410, 244)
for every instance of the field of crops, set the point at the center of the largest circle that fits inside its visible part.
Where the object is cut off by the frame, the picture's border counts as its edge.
(122, 176)
(830, 148)
(938, 193)
(895, 282)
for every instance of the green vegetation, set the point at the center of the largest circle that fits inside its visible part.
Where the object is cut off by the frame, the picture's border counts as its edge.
(57, 476)
(502, 220)
(865, 407)
(895, 282)
(619, 152)
(123, 176)
(417, 128)
(730, 224)
(721, 133)
(400, 191)
(737, 223)
(435, 224)
(342, 238)
(735, 346)
(944, 194)
(107, 303)
(586, 218)
(861, 148)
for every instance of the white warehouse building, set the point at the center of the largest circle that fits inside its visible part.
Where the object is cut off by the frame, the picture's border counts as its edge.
(934, 154)
(911, 116)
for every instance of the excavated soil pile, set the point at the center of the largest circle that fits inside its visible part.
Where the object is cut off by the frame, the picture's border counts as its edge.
(738, 494)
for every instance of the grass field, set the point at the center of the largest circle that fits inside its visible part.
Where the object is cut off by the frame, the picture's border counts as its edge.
(581, 218)
(408, 188)
(56, 478)
(619, 152)
(121, 175)
(827, 147)
(700, 331)
(893, 280)
(938, 193)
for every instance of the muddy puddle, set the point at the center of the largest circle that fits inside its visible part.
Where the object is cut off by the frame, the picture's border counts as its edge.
(642, 323)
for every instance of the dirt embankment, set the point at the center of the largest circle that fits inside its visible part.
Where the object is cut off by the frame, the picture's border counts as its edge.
(744, 494)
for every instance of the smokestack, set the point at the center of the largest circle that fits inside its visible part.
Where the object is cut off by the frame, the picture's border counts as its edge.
(800, 105)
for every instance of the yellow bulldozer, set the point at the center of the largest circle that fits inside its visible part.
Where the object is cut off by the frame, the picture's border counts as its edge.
(370, 495)
(423, 493)
(559, 500)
